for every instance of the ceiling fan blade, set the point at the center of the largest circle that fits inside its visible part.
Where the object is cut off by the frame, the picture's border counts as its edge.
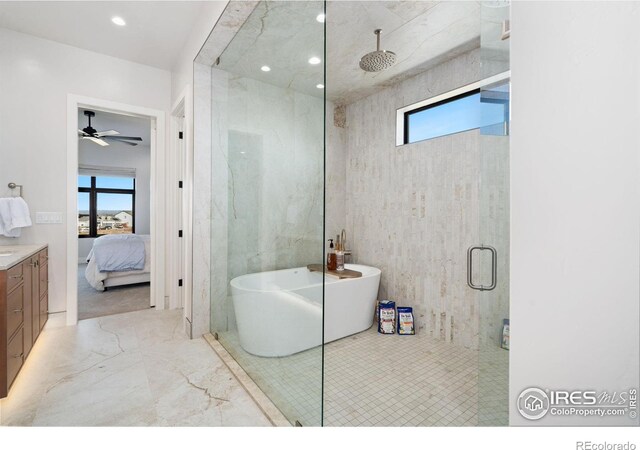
(82, 133)
(97, 141)
(129, 143)
(107, 133)
(127, 138)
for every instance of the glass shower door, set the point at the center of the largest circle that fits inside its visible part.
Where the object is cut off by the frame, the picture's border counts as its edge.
(491, 257)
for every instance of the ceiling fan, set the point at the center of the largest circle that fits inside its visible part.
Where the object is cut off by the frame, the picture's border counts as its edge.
(100, 137)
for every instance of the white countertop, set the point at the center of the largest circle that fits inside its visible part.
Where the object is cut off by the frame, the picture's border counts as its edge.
(17, 253)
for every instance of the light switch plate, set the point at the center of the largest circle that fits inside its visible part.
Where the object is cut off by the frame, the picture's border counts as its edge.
(48, 217)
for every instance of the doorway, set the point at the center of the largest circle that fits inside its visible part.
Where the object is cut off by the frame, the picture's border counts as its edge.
(113, 213)
(94, 177)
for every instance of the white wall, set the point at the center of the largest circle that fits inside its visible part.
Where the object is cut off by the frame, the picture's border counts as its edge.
(119, 155)
(35, 77)
(575, 188)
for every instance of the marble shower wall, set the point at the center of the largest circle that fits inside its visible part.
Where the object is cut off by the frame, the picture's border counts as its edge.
(413, 210)
(268, 186)
(336, 172)
(203, 214)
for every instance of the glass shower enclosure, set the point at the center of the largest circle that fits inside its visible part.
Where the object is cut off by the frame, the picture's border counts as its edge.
(268, 186)
(303, 145)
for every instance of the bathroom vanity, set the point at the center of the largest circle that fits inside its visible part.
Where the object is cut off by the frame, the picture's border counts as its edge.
(24, 302)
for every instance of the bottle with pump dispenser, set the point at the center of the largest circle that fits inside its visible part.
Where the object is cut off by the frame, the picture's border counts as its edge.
(339, 255)
(331, 257)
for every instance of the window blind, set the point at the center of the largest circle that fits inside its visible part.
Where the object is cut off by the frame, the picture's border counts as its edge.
(100, 171)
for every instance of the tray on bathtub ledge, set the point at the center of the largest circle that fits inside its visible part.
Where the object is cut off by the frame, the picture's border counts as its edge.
(346, 273)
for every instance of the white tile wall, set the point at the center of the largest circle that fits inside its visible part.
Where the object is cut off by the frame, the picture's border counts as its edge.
(413, 210)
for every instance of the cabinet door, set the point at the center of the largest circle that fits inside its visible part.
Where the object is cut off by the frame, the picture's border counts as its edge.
(44, 311)
(44, 277)
(29, 336)
(35, 299)
(15, 356)
(15, 310)
(14, 277)
(44, 287)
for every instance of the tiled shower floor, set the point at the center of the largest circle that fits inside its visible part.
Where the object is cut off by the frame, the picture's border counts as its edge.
(383, 380)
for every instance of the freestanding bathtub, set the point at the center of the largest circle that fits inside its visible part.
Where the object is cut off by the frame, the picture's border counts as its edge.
(279, 313)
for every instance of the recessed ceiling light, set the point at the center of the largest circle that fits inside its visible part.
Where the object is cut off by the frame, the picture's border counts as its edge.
(314, 60)
(320, 17)
(320, 86)
(265, 68)
(118, 21)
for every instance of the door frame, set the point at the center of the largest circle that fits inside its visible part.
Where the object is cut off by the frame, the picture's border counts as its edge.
(182, 113)
(157, 201)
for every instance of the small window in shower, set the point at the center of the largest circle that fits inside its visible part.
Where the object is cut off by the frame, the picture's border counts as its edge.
(486, 109)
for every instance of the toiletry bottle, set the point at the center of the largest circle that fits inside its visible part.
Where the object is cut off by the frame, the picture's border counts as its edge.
(331, 257)
(339, 255)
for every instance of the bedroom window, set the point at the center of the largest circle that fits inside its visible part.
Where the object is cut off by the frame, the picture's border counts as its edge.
(106, 205)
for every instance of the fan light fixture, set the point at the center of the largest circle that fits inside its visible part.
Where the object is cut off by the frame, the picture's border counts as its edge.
(101, 137)
(118, 21)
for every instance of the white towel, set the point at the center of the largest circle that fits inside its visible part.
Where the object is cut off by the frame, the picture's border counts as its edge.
(14, 214)
(5, 219)
(20, 216)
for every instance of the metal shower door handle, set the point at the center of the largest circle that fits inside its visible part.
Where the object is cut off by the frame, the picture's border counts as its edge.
(494, 267)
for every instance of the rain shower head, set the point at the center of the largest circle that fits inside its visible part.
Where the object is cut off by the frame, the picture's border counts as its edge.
(378, 60)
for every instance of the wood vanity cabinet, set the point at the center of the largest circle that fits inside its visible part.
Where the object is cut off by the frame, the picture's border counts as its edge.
(24, 307)
(43, 288)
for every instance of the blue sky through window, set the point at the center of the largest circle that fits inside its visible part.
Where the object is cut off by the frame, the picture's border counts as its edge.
(84, 181)
(114, 202)
(466, 113)
(114, 182)
(83, 201)
(106, 202)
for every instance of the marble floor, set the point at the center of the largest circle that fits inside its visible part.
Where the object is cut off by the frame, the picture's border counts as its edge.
(384, 380)
(132, 369)
(292, 383)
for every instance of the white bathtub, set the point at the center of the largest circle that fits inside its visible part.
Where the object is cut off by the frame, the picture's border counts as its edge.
(279, 313)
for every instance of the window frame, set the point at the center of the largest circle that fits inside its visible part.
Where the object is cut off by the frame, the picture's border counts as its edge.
(93, 192)
(402, 114)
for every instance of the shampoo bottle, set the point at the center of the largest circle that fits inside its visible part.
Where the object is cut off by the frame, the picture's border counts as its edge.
(331, 257)
(339, 255)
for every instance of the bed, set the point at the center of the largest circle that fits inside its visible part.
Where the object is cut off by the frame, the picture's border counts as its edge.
(121, 261)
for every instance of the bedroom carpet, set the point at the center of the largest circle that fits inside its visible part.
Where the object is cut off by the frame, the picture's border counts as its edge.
(115, 300)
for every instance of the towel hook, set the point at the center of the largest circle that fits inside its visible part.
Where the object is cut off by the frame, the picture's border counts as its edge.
(12, 185)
